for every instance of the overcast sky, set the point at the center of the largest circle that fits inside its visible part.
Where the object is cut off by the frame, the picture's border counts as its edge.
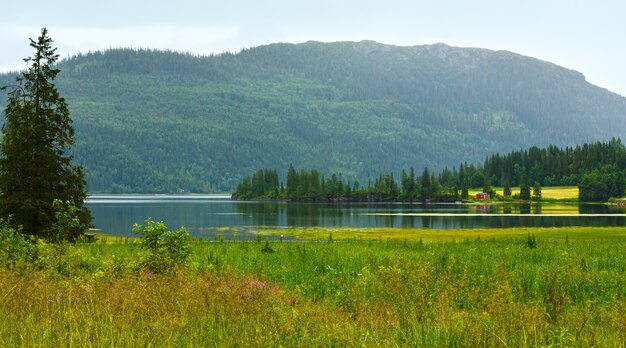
(584, 35)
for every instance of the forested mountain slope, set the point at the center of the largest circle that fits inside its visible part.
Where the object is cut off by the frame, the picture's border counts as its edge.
(152, 121)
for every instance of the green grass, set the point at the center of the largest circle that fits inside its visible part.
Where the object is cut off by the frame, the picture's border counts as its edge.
(447, 235)
(494, 290)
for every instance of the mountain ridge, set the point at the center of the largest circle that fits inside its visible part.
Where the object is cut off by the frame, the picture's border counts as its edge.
(161, 121)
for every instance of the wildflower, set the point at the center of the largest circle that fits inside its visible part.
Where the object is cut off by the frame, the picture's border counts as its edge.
(257, 284)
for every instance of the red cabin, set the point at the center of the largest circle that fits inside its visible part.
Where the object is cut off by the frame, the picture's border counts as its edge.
(483, 195)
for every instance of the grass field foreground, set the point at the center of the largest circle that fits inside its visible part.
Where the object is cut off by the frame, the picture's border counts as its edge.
(548, 290)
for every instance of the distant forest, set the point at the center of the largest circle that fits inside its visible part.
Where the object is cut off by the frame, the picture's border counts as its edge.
(598, 169)
(164, 122)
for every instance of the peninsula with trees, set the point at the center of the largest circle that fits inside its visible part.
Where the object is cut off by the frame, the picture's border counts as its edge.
(598, 169)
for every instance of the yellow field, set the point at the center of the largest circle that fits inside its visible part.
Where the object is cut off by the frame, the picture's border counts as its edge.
(560, 192)
(556, 192)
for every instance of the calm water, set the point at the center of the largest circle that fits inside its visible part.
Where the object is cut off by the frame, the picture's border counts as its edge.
(204, 215)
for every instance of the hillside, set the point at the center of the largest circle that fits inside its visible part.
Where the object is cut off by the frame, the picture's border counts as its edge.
(151, 121)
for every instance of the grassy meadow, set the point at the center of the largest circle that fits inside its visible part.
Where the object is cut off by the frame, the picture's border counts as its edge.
(449, 235)
(503, 288)
(549, 193)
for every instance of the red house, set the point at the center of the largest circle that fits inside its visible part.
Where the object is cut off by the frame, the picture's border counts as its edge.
(482, 195)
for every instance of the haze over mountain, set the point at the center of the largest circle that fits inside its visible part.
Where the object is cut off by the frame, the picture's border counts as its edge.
(154, 121)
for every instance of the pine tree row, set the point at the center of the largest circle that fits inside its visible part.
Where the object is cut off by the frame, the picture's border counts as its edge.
(598, 169)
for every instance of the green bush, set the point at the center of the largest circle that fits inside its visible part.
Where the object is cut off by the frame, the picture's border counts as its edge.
(18, 251)
(66, 226)
(165, 251)
(531, 242)
(600, 185)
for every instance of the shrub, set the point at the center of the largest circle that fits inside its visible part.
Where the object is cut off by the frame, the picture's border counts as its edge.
(267, 248)
(66, 226)
(18, 251)
(531, 242)
(165, 251)
(599, 186)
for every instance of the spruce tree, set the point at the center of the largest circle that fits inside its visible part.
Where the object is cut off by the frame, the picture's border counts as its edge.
(507, 187)
(412, 193)
(405, 182)
(464, 189)
(524, 191)
(537, 190)
(35, 167)
(425, 185)
(292, 181)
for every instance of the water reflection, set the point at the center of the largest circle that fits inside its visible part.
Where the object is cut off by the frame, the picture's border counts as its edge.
(204, 215)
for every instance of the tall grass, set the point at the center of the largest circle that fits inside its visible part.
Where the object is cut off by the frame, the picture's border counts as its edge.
(475, 292)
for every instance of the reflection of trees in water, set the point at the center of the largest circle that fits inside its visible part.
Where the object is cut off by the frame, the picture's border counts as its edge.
(408, 221)
(352, 215)
(506, 209)
(593, 209)
(536, 208)
(426, 221)
(262, 214)
(524, 208)
(614, 209)
(388, 220)
(307, 214)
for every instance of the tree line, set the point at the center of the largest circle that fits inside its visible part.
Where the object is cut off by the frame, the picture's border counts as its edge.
(598, 169)
(163, 122)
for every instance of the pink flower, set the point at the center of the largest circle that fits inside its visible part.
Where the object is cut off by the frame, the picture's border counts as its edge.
(257, 284)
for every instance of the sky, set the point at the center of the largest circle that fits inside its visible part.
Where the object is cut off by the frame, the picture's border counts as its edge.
(584, 35)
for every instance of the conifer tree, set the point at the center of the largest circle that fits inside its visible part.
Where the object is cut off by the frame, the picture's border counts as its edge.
(524, 190)
(405, 182)
(425, 184)
(412, 185)
(507, 187)
(292, 181)
(464, 190)
(35, 167)
(537, 190)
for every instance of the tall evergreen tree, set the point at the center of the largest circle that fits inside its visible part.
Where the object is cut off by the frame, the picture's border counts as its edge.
(425, 185)
(292, 181)
(537, 190)
(464, 189)
(524, 189)
(405, 181)
(35, 167)
(507, 187)
(411, 194)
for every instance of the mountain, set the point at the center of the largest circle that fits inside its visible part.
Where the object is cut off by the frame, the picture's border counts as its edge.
(155, 121)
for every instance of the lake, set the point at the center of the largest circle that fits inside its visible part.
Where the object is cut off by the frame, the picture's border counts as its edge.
(205, 215)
